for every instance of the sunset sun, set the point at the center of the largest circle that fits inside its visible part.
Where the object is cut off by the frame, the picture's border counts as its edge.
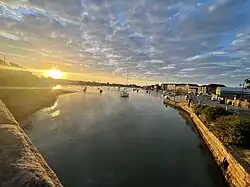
(55, 74)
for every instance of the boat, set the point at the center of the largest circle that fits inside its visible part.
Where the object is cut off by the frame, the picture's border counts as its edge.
(124, 93)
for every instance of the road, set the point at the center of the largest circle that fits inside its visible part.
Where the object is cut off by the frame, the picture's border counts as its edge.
(207, 101)
(95, 140)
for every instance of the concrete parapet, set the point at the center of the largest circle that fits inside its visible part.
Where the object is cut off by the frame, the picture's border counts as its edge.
(21, 164)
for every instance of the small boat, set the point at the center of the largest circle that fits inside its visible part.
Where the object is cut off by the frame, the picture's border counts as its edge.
(124, 93)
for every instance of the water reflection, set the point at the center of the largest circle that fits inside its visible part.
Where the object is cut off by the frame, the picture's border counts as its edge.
(211, 165)
(122, 142)
(56, 113)
(57, 87)
(188, 120)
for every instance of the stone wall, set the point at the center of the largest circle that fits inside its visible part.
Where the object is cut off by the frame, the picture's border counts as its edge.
(21, 164)
(237, 172)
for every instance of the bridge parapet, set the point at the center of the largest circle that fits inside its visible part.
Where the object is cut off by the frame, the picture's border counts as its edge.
(21, 164)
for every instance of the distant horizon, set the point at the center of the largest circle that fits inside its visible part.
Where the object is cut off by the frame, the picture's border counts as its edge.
(40, 73)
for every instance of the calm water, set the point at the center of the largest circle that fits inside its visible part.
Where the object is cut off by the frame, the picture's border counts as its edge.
(93, 140)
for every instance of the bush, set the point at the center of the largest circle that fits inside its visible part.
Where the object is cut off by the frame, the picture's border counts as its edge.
(212, 113)
(198, 109)
(232, 130)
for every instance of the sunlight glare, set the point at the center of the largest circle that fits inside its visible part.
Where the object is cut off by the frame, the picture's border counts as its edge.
(55, 74)
(57, 87)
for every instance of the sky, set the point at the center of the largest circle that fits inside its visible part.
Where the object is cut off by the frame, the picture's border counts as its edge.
(191, 41)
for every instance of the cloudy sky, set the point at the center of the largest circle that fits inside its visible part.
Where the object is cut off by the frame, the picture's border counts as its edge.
(198, 41)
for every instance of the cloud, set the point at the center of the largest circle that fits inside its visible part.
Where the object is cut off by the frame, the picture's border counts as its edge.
(9, 36)
(182, 40)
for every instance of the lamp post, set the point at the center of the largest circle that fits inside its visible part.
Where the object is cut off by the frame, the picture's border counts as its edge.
(243, 85)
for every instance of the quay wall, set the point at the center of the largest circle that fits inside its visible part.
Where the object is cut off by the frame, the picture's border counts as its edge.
(237, 174)
(21, 164)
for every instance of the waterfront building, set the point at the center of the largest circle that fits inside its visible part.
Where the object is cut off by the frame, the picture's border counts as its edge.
(211, 88)
(202, 89)
(192, 88)
(230, 92)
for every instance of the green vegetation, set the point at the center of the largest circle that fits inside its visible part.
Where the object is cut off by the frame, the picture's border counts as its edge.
(210, 114)
(32, 94)
(247, 83)
(229, 128)
(14, 75)
(24, 102)
(232, 130)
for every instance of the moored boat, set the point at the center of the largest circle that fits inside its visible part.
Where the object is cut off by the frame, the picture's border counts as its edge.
(124, 93)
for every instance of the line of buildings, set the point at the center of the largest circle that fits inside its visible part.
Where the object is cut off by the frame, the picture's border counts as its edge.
(190, 88)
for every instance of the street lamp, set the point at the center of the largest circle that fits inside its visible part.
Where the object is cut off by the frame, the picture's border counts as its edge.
(243, 85)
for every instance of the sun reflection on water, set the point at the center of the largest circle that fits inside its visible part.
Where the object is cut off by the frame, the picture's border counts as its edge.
(57, 87)
(56, 113)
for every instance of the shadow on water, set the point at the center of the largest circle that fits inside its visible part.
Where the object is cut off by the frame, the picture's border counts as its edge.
(215, 171)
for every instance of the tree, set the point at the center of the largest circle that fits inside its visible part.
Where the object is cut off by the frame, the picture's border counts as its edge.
(232, 130)
(247, 83)
(212, 113)
(198, 109)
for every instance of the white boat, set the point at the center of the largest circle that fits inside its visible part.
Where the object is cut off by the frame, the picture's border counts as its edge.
(124, 93)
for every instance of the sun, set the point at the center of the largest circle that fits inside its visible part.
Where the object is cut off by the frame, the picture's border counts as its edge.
(55, 74)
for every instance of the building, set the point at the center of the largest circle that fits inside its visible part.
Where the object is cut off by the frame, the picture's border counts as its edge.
(171, 87)
(202, 89)
(211, 88)
(231, 93)
(168, 86)
(164, 86)
(192, 88)
(157, 86)
(180, 87)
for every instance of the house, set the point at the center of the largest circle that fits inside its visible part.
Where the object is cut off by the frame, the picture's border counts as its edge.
(211, 88)
(202, 89)
(192, 88)
(181, 88)
(171, 87)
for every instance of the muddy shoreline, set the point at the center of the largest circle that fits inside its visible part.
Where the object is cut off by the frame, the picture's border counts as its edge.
(23, 103)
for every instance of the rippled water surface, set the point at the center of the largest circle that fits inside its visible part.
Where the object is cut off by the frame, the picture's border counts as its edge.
(104, 140)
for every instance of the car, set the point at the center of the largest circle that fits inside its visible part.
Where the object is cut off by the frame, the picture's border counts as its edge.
(213, 99)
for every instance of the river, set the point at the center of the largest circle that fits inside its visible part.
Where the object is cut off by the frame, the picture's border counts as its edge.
(93, 140)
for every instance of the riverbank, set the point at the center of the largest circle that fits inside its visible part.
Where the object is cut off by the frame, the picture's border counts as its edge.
(20, 162)
(236, 172)
(23, 103)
